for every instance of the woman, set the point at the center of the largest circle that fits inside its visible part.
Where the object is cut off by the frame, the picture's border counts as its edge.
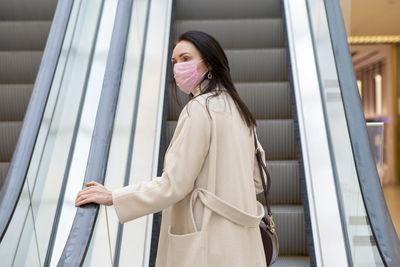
(207, 191)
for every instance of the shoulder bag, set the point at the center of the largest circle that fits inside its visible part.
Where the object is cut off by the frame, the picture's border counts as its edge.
(267, 227)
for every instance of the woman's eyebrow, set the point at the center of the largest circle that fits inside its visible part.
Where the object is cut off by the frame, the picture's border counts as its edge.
(181, 55)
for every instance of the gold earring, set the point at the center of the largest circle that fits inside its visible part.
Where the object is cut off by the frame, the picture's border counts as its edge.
(209, 76)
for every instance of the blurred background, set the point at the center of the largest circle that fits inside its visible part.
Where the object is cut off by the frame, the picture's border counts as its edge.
(374, 40)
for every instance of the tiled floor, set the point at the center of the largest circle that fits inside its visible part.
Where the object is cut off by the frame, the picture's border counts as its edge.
(392, 196)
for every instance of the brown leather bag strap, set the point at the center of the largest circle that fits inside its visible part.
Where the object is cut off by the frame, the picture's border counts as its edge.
(261, 167)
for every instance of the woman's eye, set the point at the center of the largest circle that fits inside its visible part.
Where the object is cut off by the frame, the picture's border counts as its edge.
(185, 59)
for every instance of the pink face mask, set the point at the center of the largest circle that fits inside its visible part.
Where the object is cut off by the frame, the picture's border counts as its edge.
(186, 75)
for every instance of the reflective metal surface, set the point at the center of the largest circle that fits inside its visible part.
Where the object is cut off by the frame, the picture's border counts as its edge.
(144, 160)
(325, 217)
(358, 235)
(100, 15)
(104, 241)
(136, 135)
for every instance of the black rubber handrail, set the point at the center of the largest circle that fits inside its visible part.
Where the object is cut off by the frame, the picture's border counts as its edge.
(381, 224)
(24, 149)
(82, 229)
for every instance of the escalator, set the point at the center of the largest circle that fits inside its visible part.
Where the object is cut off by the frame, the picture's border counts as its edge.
(109, 113)
(51, 146)
(24, 27)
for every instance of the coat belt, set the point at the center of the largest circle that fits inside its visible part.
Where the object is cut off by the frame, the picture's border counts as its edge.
(225, 209)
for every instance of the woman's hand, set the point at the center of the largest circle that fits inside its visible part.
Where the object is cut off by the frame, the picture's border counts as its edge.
(94, 193)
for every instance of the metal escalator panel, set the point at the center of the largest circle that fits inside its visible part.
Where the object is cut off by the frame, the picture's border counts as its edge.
(135, 140)
(103, 21)
(369, 232)
(108, 245)
(145, 139)
(61, 149)
(317, 174)
(126, 138)
(327, 99)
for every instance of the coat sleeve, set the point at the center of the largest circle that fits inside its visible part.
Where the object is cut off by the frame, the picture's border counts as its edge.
(256, 171)
(183, 161)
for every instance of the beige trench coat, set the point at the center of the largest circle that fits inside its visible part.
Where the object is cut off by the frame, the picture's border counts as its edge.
(207, 191)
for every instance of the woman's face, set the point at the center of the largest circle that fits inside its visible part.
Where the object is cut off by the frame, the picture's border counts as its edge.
(185, 51)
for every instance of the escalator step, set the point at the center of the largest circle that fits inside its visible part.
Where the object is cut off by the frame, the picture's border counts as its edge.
(19, 66)
(257, 65)
(285, 184)
(209, 9)
(24, 35)
(9, 132)
(266, 100)
(27, 9)
(238, 33)
(292, 262)
(14, 99)
(3, 172)
(290, 228)
(277, 139)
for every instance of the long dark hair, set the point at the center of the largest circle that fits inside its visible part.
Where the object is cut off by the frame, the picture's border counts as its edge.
(215, 57)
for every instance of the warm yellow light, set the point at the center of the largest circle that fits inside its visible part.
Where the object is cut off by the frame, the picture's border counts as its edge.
(373, 39)
(359, 84)
(378, 94)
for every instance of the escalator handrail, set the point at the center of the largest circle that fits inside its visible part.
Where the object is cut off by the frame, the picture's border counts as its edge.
(21, 158)
(83, 225)
(381, 224)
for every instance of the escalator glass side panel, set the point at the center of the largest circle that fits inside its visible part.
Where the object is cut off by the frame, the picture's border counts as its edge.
(360, 240)
(21, 220)
(319, 182)
(103, 245)
(136, 133)
(27, 253)
(79, 107)
(101, 14)
(146, 141)
(41, 163)
(32, 227)
(22, 154)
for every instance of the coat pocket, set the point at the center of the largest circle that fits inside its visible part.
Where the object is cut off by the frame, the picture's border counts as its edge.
(187, 249)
